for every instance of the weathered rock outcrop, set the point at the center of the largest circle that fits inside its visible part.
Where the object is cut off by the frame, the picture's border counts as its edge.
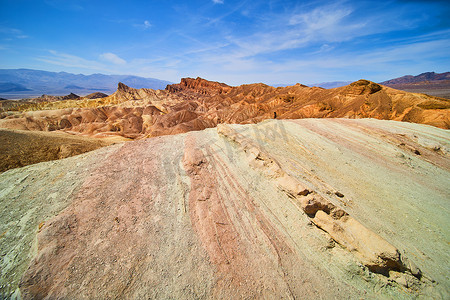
(196, 104)
(96, 95)
(373, 251)
(279, 209)
(50, 98)
(199, 86)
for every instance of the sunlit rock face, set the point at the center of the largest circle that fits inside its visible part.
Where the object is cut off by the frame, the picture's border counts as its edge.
(196, 104)
(311, 208)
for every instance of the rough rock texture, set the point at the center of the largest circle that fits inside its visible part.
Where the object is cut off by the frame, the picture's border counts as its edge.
(200, 86)
(49, 98)
(377, 254)
(196, 104)
(96, 95)
(242, 211)
(20, 148)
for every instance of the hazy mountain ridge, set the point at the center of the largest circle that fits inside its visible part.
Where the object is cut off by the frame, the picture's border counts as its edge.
(27, 83)
(431, 83)
(330, 84)
(407, 79)
(427, 76)
(12, 87)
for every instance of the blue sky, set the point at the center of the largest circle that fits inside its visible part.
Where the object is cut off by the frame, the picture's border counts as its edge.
(235, 42)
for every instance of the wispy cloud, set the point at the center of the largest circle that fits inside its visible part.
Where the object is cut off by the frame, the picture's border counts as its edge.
(10, 33)
(323, 26)
(374, 64)
(258, 40)
(164, 69)
(113, 58)
(70, 61)
(219, 18)
(327, 23)
(235, 65)
(144, 25)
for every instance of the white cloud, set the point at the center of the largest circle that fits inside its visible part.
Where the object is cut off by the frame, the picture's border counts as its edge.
(373, 64)
(325, 25)
(113, 58)
(68, 60)
(139, 67)
(13, 33)
(234, 64)
(143, 26)
(217, 1)
(325, 48)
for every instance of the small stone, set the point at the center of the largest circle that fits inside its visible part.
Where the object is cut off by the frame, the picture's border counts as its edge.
(402, 281)
(339, 194)
(331, 244)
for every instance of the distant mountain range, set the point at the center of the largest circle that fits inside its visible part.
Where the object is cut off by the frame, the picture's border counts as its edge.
(431, 83)
(408, 79)
(428, 76)
(27, 83)
(331, 84)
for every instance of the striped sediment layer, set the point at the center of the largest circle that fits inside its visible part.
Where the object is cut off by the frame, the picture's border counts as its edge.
(312, 208)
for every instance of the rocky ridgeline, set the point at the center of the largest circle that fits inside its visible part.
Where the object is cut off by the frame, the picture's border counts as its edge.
(428, 76)
(200, 86)
(196, 104)
(49, 98)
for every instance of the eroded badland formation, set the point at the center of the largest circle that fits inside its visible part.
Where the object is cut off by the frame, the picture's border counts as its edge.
(196, 104)
(221, 202)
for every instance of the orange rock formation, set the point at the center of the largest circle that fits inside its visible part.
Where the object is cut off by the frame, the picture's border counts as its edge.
(196, 104)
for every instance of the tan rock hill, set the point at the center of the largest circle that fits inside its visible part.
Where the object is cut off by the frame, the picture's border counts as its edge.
(96, 95)
(199, 86)
(49, 98)
(196, 104)
(19, 148)
(278, 209)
